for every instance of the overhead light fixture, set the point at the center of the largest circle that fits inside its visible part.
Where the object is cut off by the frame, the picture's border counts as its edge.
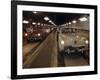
(74, 21)
(25, 22)
(41, 24)
(47, 30)
(69, 23)
(38, 23)
(83, 19)
(34, 12)
(46, 18)
(53, 23)
(33, 23)
(50, 21)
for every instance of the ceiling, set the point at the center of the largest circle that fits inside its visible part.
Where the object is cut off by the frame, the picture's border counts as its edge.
(57, 18)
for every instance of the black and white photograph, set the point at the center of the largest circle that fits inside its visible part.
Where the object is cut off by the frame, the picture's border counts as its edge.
(53, 39)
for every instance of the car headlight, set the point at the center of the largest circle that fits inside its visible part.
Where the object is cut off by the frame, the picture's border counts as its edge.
(86, 42)
(38, 34)
(26, 34)
(62, 42)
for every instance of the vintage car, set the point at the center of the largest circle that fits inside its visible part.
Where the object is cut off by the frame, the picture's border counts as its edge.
(36, 35)
(74, 49)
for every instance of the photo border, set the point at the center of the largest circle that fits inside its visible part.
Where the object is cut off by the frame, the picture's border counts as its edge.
(14, 4)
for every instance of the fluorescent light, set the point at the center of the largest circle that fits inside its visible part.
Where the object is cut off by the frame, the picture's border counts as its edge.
(69, 23)
(50, 21)
(47, 30)
(34, 12)
(38, 23)
(41, 24)
(26, 22)
(74, 21)
(83, 19)
(46, 18)
(33, 23)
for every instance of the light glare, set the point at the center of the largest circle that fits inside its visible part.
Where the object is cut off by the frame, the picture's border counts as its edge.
(26, 34)
(86, 41)
(26, 22)
(69, 23)
(62, 42)
(34, 12)
(33, 23)
(83, 19)
(74, 21)
(46, 18)
(38, 34)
